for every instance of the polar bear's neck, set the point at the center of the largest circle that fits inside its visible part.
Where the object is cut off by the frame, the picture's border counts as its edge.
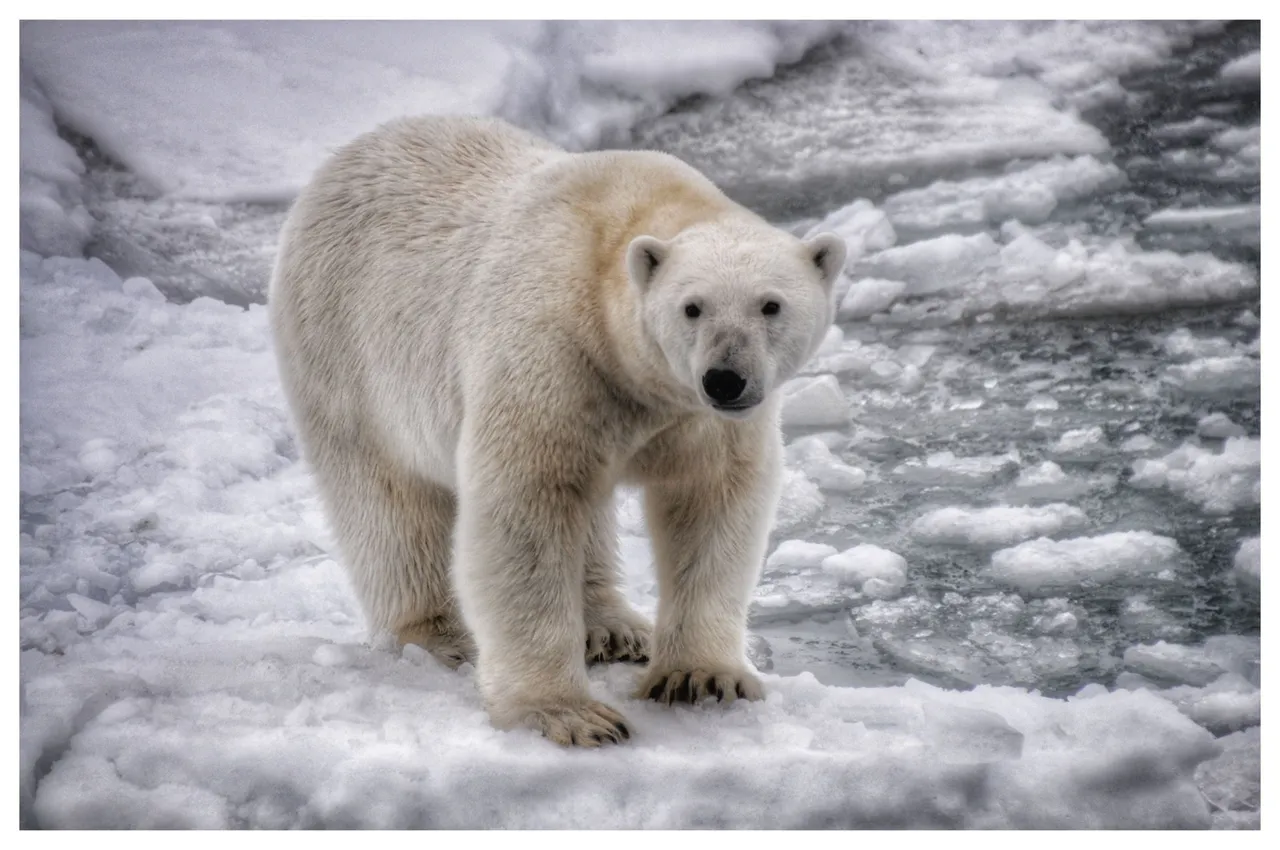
(624, 195)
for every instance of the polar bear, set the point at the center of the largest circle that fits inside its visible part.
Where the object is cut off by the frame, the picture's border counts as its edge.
(479, 336)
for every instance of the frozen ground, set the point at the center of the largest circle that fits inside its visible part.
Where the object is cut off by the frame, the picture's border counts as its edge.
(1014, 579)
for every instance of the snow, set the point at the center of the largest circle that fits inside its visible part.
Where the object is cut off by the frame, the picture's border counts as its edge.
(1217, 376)
(1244, 69)
(1232, 782)
(1172, 662)
(996, 526)
(1197, 129)
(799, 553)
(944, 468)
(1218, 426)
(1081, 443)
(222, 735)
(1185, 346)
(1248, 561)
(1138, 444)
(799, 502)
(875, 571)
(1041, 566)
(932, 265)
(1041, 402)
(869, 296)
(51, 214)
(821, 466)
(1047, 481)
(1239, 217)
(1238, 138)
(861, 225)
(289, 92)
(1030, 194)
(1219, 482)
(1215, 684)
(1026, 274)
(814, 402)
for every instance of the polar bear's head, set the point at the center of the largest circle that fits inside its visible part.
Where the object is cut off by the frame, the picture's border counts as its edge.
(735, 308)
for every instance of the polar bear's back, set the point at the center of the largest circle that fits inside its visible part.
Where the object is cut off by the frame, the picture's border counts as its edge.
(375, 256)
(416, 175)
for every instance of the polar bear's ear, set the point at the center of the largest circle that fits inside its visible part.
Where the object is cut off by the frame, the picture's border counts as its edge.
(828, 252)
(644, 255)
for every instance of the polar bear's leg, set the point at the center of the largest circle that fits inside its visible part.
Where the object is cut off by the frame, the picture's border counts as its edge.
(395, 531)
(710, 532)
(615, 632)
(524, 516)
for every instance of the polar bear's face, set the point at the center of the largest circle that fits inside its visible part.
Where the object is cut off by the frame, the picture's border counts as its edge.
(736, 312)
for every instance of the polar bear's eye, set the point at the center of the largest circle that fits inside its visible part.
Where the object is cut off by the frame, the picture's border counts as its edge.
(692, 311)
(771, 308)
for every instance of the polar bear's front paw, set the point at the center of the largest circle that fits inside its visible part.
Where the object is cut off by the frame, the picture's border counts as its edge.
(692, 686)
(587, 725)
(625, 636)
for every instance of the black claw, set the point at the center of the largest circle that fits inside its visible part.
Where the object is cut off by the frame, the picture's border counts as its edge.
(684, 691)
(626, 733)
(711, 686)
(738, 689)
(655, 693)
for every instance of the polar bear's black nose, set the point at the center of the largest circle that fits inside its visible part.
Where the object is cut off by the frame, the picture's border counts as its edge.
(723, 386)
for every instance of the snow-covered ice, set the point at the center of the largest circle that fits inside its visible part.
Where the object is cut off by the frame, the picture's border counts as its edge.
(192, 735)
(1244, 69)
(1028, 194)
(799, 553)
(1172, 662)
(875, 571)
(863, 226)
(1047, 481)
(799, 502)
(141, 88)
(1241, 217)
(814, 402)
(996, 526)
(1248, 561)
(943, 468)
(826, 470)
(1218, 426)
(1043, 565)
(1081, 443)
(975, 274)
(1220, 482)
(869, 296)
(1216, 376)
(1232, 782)
(51, 214)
